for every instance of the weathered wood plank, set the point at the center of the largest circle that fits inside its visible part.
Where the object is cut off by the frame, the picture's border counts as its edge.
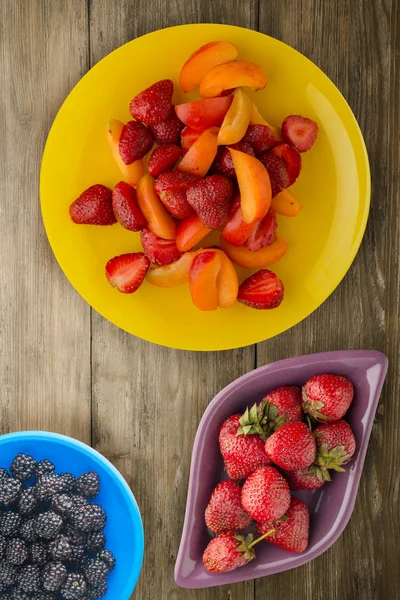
(44, 324)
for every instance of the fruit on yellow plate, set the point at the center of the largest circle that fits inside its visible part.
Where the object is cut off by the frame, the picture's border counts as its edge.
(255, 260)
(286, 203)
(236, 120)
(199, 158)
(203, 60)
(238, 73)
(158, 218)
(133, 172)
(254, 185)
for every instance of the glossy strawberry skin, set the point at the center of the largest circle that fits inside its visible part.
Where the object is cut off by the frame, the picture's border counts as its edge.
(135, 142)
(93, 207)
(222, 554)
(260, 138)
(159, 251)
(154, 104)
(224, 511)
(304, 479)
(126, 207)
(336, 435)
(242, 454)
(223, 162)
(291, 534)
(327, 397)
(211, 199)
(163, 158)
(287, 400)
(265, 495)
(277, 172)
(167, 131)
(291, 447)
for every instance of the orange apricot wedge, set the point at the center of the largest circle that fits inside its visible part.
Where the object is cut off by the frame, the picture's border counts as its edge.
(227, 282)
(131, 173)
(190, 232)
(237, 119)
(173, 274)
(238, 73)
(203, 60)
(203, 277)
(285, 203)
(257, 119)
(159, 220)
(254, 185)
(198, 159)
(255, 260)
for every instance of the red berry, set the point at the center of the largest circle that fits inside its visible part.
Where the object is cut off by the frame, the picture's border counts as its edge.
(291, 533)
(263, 290)
(305, 479)
(291, 158)
(163, 159)
(93, 207)
(291, 447)
(261, 138)
(263, 233)
(127, 271)
(287, 402)
(265, 495)
(277, 172)
(158, 250)
(211, 199)
(153, 104)
(135, 142)
(227, 552)
(126, 207)
(300, 132)
(168, 131)
(223, 162)
(327, 397)
(224, 511)
(336, 444)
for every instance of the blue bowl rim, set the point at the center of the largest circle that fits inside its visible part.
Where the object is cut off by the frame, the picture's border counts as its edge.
(133, 507)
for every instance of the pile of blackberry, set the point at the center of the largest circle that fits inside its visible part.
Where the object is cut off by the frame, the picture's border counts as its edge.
(52, 543)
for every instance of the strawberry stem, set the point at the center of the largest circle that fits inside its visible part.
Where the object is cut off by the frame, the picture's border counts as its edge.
(270, 532)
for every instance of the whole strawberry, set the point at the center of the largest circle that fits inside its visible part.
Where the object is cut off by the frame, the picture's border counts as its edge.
(154, 104)
(126, 207)
(291, 447)
(311, 478)
(286, 401)
(336, 445)
(242, 454)
(230, 551)
(327, 397)
(291, 532)
(135, 142)
(163, 158)
(224, 511)
(93, 207)
(265, 495)
(211, 199)
(168, 131)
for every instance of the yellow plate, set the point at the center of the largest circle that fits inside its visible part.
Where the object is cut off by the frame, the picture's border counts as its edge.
(334, 188)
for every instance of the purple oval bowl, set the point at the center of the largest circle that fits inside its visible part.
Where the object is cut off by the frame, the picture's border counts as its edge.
(330, 507)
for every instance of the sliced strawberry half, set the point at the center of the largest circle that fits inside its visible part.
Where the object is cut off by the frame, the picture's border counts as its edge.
(300, 132)
(153, 104)
(127, 271)
(260, 138)
(135, 142)
(126, 207)
(93, 207)
(263, 290)
(158, 250)
(263, 233)
(291, 158)
(163, 158)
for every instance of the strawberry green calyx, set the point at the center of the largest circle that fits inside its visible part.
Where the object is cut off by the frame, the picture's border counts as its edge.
(331, 459)
(247, 544)
(312, 408)
(320, 471)
(261, 419)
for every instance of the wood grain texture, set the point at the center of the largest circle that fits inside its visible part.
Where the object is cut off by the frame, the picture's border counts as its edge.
(44, 324)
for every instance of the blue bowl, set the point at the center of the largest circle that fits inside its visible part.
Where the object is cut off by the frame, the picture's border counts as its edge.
(124, 529)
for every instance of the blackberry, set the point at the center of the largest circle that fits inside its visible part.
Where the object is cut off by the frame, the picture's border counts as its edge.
(98, 591)
(67, 482)
(76, 537)
(80, 500)
(48, 524)
(4, 474)
(10, 490)
(74, 587)
(77, 552)
(95, 541)
(23, 467)
(3, 546)
(53, 576)
(44, 467)
(28, 530)
(39, 553)
(95, 570)
(27, 503)
(43, 596)
(60, 548)
(88, 518)
(17, 552)
(8, 573)
(88, 484)
(19, 594)
(108, 558)
(29, 578)
(48, 486)
(10, 522)
(63, 503)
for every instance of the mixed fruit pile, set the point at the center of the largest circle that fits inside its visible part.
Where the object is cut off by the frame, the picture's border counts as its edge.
(52, 543)
(217, 165)
(269, 451)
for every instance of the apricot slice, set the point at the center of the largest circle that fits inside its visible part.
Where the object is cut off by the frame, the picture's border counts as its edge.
(199, 158)
(255, 260)
(203, 60)
(188, 137)
(227, 282)
(131, 173)
(203, 114)
(159, 220)
(239, 73)
(203, 276)
(173, 274)
(190, 232)
(236, 120)
(257, 119)
(285, 203)
(254, 185)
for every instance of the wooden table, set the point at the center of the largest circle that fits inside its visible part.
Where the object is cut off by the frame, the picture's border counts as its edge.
(64, 368)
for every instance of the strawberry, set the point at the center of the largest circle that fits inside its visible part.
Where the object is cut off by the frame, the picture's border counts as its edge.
(126, 207)
(300, 132)
(188, 137)
(265, 495)
(291, 447)
(336, 445)
(168, 131)
(291, 158)
(260, 137)
(263, 233)
(277, 172)
(171, 187)
(158, 251)
(227, 552)
(242, 454)
(291, 531)
(176, 203)
(223, 162)
(263, 290)
(163, 158)
(236, 231)
(135, 142)
(93, 207)
(154, 104)
(306, 479)
(211, 199)
(127, 271)
(286, 401)
(327, 397)
(224, 511)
